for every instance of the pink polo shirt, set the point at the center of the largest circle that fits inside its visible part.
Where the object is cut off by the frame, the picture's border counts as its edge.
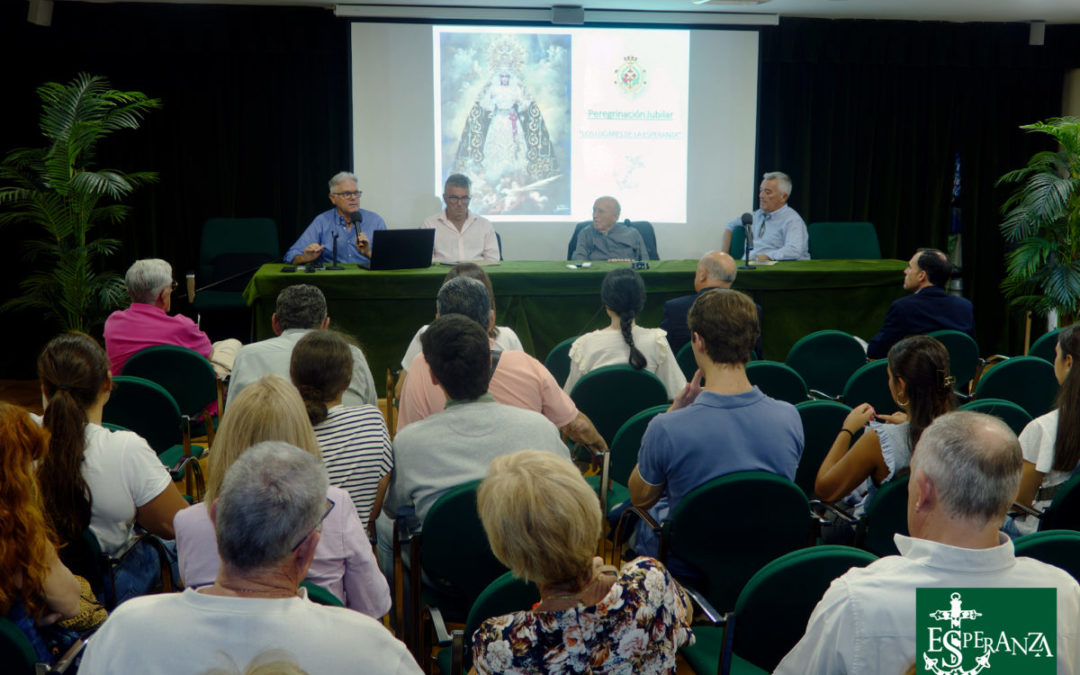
(141, 325)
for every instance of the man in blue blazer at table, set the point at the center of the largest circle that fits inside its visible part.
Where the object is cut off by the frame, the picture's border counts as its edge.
(716, 269)
(928, 308)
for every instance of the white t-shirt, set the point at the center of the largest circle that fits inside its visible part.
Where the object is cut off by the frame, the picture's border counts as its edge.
(140, 636)
(1037, 443)
(507, 339)
(607, 348)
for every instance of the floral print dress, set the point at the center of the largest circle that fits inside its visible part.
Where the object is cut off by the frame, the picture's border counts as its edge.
(636, 628)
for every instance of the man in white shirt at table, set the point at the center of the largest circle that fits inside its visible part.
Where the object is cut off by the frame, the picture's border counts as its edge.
(460, 234)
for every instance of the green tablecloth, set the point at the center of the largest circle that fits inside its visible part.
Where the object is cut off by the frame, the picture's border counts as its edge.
(544, 302)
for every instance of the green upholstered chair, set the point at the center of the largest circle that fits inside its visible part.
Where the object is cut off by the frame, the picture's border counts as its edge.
(623, 455)
(187, 376)
(1008, 412)
(964, 359)
(777, 380)
(613, 394)
(230, 247)
(1064, 510)
(558, 360)
(833, 241)
(1027, 381)
(18, 657)
(1044, 346)
(320, 595)
(84, 557)
(505, 595)
(821, 421)
(886, 515)
(870, 384)
(826, 359)
(1060, 548)
(773, 608)
(685, 359)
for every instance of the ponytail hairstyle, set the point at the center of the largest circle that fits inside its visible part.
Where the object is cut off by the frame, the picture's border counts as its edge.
(1067, 441)
(25, 537)
(73, 370)
(923, 364)
(623, 292)
(321, 369)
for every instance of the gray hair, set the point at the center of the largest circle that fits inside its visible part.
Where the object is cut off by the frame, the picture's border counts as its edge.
(715, 269)
(458, 180)
(340, 178)
(300, 306)
(272, 496)
(147, 278)
(974, 461)
(462, 295)
(783, 181)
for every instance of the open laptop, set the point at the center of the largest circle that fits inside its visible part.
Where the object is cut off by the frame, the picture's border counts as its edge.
(400, 249)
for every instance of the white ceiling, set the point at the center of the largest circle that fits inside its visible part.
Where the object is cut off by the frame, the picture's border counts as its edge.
(1050, 11)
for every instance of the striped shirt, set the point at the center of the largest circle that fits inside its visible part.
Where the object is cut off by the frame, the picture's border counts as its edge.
(356, 451)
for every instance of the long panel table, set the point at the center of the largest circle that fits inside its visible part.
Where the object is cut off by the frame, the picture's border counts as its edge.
(545, 302)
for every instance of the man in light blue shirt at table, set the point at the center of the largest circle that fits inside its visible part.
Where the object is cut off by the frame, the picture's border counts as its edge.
(779, 232)
(316, 244)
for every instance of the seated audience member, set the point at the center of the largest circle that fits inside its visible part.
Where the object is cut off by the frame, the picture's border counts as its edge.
(301, 308)
(316, 244)
(517, 379)
(460, 234)
(354, 441)
(502, 337)
(609, 239)
(964, 476)
(725, 427)
(716, 269)
(1051, 442)
(36, 589)
(543, 521)
(343, 563)
(779, 231)
(455, 445)
(92, 477)
(267, 517)
(623, 341)
(928, 308)
(921, 386)
(147, 323)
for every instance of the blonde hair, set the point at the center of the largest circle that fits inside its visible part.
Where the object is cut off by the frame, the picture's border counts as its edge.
(542, 519)
(268, 410)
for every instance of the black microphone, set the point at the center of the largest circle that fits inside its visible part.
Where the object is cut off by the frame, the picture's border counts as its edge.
(356, 219)
(748, 230)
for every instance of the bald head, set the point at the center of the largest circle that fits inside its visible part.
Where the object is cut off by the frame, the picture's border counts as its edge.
(605, 212)
(716, 269)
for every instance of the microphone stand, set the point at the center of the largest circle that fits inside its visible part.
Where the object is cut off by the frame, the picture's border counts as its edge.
(748, 234)
(335, 265)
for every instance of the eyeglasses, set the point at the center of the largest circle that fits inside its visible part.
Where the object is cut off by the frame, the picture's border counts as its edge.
(452, 198)
(318, 525)
(350, 194)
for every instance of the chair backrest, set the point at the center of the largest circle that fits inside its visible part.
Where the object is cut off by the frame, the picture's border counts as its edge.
(826, 359)
(854, 240)
(184, 373)
(775, 605)
(231, 245)
(775, 521)
(1008, 412)
(870, 384)
(777, 380)
(573, 238)
(504, 595)
(627, 442)
(648, 235)
(613, 394)
(821, 421)
(738, 243)
(558, 360)
(886, 515)
(1027, 381)
(454, 548)
(147, 409)
(963, 355)
(16, 651)
(685, 359)
(83, 556)
(1044, 346)
(320, 595)
(1064, 510)
(1060, 548)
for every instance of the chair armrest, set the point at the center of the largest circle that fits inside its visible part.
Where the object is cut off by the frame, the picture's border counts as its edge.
(443, 636)
(649, 521)
(1021, 510)
(64, 662)
(714, 616)
(830, 506)
(822, 396)
(402, 537)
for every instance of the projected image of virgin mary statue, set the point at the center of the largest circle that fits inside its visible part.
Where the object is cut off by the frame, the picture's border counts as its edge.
(506, 145)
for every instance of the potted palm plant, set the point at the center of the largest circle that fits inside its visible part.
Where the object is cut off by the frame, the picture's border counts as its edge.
(59, 190)
(1042, 218)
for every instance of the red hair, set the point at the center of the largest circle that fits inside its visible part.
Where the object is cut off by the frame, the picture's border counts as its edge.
(26, 541)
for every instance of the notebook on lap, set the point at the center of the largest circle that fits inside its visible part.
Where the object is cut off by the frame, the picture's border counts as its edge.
(400, 249)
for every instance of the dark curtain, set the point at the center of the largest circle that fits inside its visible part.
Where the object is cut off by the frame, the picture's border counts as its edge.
(867, 117)
(255, 118)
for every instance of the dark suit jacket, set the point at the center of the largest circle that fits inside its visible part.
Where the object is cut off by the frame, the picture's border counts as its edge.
(674, 321)
(919, 313)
